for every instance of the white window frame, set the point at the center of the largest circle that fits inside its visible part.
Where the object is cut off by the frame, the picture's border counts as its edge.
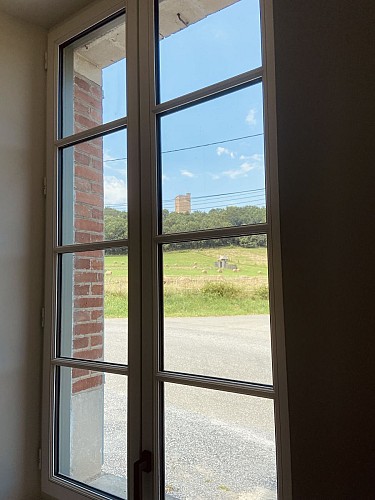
(142, 152)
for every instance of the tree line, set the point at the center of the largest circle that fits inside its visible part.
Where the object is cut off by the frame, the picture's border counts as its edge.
(116, 226)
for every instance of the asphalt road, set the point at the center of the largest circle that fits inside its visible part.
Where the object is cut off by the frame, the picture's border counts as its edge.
(217, 445)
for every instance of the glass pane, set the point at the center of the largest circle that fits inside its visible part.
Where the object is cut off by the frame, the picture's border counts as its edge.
(204, 42)
(94, 305)
(94, 190)
(216, 308)
(212, 164)
(92, 431)
(218, 445)
(94, 79)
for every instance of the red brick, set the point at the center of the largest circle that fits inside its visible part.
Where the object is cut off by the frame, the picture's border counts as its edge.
(88, 173)
(82, 184)
(87, 277)
(98, 254)
(97, 289)
(82, 315)
(97, 214)
(88, 328)
(98, 142)
(91, 354)
(82, 263)
(82, 211)
(78, 372)
(85, 122)
(97, 91)
(97, 188)
(82, 108)
(81, 158)
(89, 148)
(97, 314)
(90, 99)
(80, 343)
(96, 340)
(86, 302)
(97, 163)
(89, 225)
(97, 264)
(82, 84)
(97, 116)
(81, 290)
(87, 383)
(89, 199)
(82, 237)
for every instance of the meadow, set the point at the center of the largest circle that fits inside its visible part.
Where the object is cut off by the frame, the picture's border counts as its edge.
(194, 286)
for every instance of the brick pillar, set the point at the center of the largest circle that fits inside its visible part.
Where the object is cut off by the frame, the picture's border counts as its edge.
(88, 273)
(87, 404)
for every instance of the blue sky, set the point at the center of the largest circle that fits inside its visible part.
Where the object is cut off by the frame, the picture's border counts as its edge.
(222, 45)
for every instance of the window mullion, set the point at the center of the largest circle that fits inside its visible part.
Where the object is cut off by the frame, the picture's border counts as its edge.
(134, 235)
(147, 143)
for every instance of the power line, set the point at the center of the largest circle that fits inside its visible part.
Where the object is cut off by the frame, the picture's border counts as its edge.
(234, 200)
(211, 143)
(229, 203)
(226, 205)
(188, 148)
(219, 195)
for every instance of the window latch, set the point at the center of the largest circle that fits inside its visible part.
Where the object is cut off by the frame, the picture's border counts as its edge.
(144, 464)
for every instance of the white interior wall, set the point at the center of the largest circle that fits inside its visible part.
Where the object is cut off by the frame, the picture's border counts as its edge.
(22, 146)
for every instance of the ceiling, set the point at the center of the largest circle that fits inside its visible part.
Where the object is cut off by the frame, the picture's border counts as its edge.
(44, 13)
(48, 13)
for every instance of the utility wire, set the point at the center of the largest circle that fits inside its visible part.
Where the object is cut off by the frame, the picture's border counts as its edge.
(195, 147)
(219, 195)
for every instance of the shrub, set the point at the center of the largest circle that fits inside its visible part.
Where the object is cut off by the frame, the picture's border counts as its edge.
(260, 293)
(220, 289)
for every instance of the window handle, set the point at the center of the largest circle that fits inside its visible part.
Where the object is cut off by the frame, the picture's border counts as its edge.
(144, 464)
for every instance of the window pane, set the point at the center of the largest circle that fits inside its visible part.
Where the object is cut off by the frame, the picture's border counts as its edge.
(218, 445)
(92, 431)
(94, 79)
(93, 190)
(212, 164)
(204, 42)
(216, 309)
(94, 305)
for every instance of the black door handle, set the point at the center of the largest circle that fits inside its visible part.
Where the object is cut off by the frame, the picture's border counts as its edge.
(144, 464)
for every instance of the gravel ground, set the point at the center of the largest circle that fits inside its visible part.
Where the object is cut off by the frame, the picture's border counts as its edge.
(218, 445)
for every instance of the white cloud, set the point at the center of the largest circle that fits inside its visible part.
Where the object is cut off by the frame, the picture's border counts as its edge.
(164, 178)
(241, 171)
(187, 173)
(250, 118)
(115, 191)
(224, 151)
(214, 177)
(255, 157)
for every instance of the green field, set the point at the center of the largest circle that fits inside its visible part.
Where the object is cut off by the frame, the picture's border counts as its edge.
(193, 286)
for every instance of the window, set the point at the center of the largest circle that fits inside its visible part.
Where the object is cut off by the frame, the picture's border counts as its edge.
(164, 340)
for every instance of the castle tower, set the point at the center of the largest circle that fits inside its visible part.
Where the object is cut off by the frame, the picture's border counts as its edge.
(182, 203)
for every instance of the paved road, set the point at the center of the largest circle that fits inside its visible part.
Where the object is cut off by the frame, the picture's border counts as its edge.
(218, 445)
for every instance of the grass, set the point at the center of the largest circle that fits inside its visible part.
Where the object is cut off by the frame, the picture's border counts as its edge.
(193, 286)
